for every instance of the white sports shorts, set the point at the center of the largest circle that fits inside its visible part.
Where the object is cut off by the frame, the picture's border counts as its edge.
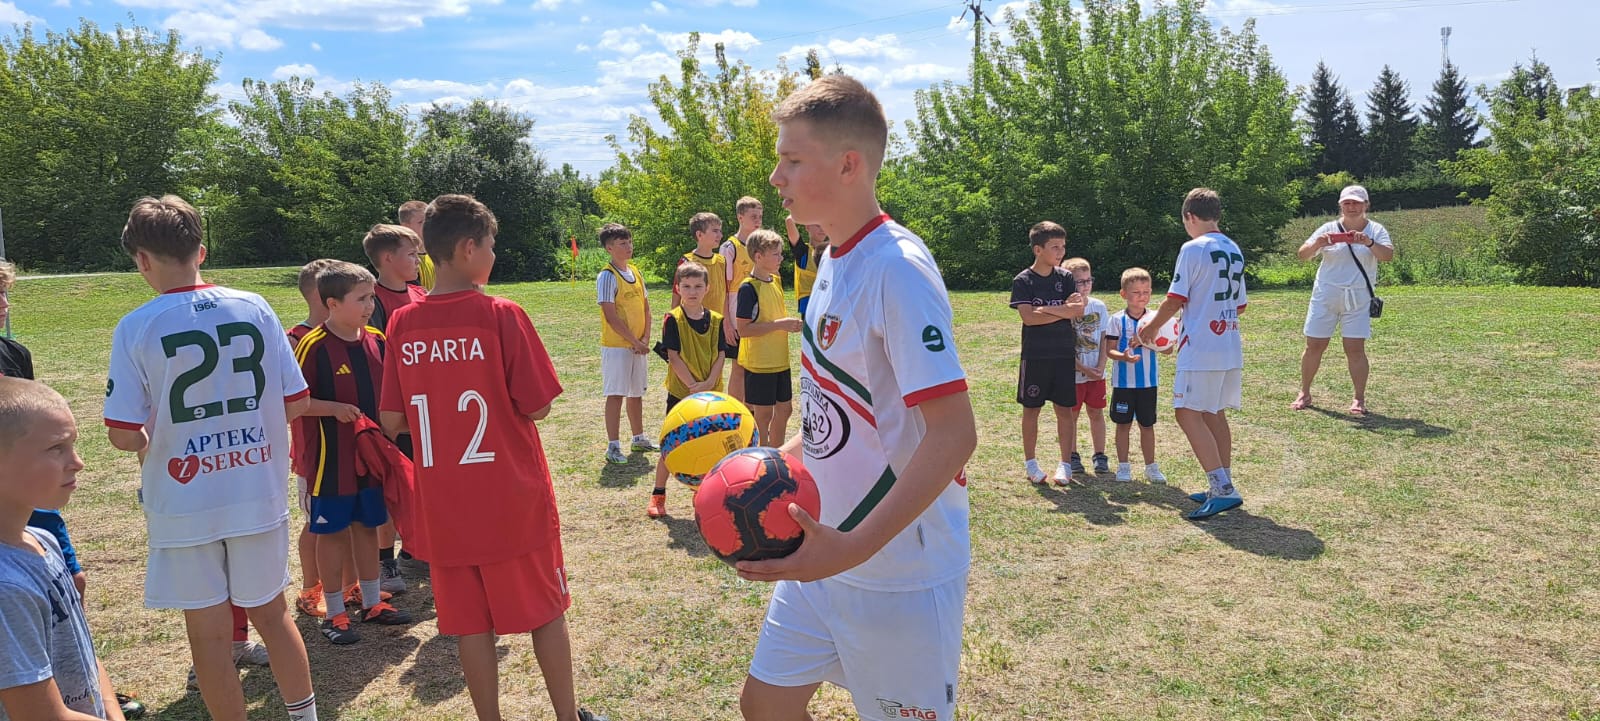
(897, 652)
(623, 372)
(1344, 309)
(248, 570)
(1208, 391)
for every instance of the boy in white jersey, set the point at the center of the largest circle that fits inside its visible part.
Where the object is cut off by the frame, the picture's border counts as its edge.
(202, 386)
(1133, 377)
(1208, 286)
(873, 599)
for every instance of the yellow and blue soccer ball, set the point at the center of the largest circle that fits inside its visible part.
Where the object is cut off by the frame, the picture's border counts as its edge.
(700, 430)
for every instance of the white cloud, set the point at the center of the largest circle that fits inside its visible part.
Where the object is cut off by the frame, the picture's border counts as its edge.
(441, 87)
(909, 73)
(881, 46)
(10, 13)
(302, 70)
(584, 20)
(648, 67)
(656, 8)
(547, 4)
(730, 38)
(1245, 8)
(62, 3)
(256, 39)
(624, 40)
(317, 47)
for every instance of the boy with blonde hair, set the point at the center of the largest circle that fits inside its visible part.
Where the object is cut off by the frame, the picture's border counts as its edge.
(1089, 362)
(194, 366)
(410, 216)
(1134, 377)
(624, 341)
(736, 257)
(1208, 286)
(879, 364)
(764, 326)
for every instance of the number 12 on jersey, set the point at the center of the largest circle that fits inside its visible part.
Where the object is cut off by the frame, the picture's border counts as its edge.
(424, 435)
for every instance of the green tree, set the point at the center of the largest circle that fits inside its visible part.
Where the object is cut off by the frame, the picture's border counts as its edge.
(1450, 122)
(1100, 121)
(1542, 164)
(91, 121)
(1391, 126)
(1535, 84)
(1336, 142)
(716, 144)
(481, 149)
(303, 175)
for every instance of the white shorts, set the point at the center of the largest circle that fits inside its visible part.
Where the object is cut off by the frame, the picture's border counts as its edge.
(248, 570)
(1341, 308)
(1207, 391)
(623, 372)
(898, 653)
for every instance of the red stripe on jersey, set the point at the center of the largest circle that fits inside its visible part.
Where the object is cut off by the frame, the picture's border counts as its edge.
(829, 385)
(124, 425)
(939, 391)
(188, 288)
(1183, 298)
(297, 396)
(850, 244)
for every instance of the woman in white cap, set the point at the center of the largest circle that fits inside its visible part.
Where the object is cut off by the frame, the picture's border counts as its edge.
(1351, 248)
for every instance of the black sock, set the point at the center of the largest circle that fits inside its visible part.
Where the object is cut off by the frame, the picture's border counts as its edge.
(386, 554)
(405, 555)
(658, 492)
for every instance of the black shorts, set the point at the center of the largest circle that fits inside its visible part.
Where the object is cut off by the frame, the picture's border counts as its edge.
(1130, 403)
(672, 400)
(767, 389)
(1047, 379)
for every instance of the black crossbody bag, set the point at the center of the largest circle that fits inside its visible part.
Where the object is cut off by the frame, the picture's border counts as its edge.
(1374, 308)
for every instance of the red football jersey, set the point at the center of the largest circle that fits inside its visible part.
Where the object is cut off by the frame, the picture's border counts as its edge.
(387, 301)
(467, 369)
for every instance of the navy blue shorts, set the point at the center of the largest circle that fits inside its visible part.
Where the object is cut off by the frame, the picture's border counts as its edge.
(332, 514)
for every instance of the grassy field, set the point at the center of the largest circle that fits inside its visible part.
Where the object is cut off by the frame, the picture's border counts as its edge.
(1433, 560)
(1433, 246)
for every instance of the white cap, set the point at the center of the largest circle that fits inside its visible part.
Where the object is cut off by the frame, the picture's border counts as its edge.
(1353, 192)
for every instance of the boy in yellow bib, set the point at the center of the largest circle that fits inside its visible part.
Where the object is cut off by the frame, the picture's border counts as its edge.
(764, 327)
(691, 342)
(624, 340)
(736, 254)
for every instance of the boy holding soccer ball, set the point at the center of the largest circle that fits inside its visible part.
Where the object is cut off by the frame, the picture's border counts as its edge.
(873, 599)
(1208, 286)
(468, 378)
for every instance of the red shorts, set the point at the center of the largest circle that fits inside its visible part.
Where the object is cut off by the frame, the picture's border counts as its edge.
(514, 596)
(1092, 394)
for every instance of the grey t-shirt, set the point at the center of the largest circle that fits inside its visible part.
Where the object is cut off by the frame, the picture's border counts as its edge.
(42, 627)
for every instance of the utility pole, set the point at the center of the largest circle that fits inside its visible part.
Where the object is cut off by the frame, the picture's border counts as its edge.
(979, 17)
(1444, 45)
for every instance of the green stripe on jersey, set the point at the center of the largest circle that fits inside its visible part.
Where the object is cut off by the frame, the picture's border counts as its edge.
(836, 371)
(870, 501)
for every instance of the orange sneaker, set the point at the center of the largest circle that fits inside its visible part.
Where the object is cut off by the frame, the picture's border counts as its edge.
(658, 506)
(352, 595)
(310, 602)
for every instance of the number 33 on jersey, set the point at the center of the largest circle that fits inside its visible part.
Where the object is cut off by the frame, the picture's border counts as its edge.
(467, 370)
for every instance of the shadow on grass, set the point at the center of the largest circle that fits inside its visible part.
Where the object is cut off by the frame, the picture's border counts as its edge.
(683, 533)
(1388, 425)
(435, 677)
(1262, 536)
(628, 475)
(1088, 502)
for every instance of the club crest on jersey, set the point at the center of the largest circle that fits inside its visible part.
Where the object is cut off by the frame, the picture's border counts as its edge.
(824, 427)
(828, 330)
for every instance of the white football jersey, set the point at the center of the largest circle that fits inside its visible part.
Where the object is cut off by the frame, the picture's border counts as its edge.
(206, 371)
(1209, 277)
(877, 342)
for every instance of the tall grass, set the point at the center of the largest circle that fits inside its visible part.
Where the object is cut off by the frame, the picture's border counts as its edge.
(1433, 246)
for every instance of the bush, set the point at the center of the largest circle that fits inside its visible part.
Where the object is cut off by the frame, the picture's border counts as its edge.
(1422, 189)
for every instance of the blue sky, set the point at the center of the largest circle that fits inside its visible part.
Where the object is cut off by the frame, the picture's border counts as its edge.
(581, 67)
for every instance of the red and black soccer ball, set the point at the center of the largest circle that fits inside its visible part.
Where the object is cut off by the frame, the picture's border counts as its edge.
(742, 505)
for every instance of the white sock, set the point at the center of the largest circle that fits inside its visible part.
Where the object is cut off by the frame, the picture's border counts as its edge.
(370, 593)
(1150, 467)
(1221, 483)
(335, 602)
(614, 445)
(303, 710)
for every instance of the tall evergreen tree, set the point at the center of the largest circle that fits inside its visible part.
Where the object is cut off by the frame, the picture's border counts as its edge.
(1391, 126)
(1335, 130)
(1451, 122)
(1534, 84)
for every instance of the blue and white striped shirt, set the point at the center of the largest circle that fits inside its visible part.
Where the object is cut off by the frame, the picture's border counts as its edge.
(1131, 375)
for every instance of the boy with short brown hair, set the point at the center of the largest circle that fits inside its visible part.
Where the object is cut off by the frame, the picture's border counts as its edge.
(691, 342)
(764, 326)
(624, 341)
(197, 363)
(411, 215)
(737, 263)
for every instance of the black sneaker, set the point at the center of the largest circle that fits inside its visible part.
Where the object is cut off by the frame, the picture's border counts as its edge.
(1102, 464)
(587, 715)
(131, 708)
(337, 629)
(385, 615)
(1077, 464)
